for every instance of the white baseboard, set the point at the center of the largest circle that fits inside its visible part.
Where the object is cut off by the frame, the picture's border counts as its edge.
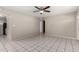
(27, 36)
(59, 36)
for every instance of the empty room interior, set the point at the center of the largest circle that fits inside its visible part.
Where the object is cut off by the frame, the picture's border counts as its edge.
(39, 29)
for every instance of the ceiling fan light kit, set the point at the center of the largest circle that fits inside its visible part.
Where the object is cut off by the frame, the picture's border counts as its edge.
(41, 10)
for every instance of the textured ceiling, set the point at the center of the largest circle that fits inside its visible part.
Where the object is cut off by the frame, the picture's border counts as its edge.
(55, 10)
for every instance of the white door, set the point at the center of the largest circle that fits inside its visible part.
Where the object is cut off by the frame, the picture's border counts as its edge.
(41, 28)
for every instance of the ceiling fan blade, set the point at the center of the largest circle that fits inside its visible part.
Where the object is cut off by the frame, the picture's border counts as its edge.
(37, 7)
(36, 11)
(47, 11)
(46, 7)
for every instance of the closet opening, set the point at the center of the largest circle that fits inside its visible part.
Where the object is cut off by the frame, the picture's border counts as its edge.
(42, 27)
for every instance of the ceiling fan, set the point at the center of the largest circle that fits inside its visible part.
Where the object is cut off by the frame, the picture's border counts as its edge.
(41, 10)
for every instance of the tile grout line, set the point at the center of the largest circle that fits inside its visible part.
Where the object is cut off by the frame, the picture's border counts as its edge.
(65, 46)
(52, 45)
(59, 45)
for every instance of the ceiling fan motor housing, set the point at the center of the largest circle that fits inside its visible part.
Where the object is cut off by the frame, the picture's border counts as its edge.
(42, 10)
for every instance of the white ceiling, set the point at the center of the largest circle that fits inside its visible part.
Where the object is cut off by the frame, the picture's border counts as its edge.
(55, 10)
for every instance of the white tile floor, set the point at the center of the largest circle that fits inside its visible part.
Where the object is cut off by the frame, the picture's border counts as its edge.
(39, 44)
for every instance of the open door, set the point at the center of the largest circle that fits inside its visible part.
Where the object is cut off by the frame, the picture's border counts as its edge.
(3, 25)
(43, 27)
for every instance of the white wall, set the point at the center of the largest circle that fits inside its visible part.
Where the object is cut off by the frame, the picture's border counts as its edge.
(61, 25)
(21, 26)
(25, 26)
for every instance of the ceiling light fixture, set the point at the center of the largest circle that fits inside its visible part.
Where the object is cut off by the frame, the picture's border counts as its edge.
(41, 12)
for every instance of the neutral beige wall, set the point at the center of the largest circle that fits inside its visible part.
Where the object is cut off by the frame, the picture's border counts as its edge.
(61, 25)
(25, 26)
(21, 26)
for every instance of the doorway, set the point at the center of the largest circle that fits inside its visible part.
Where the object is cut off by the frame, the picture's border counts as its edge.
(43, 27)
(3, 25)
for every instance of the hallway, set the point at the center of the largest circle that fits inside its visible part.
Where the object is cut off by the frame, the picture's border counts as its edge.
(39, 44)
